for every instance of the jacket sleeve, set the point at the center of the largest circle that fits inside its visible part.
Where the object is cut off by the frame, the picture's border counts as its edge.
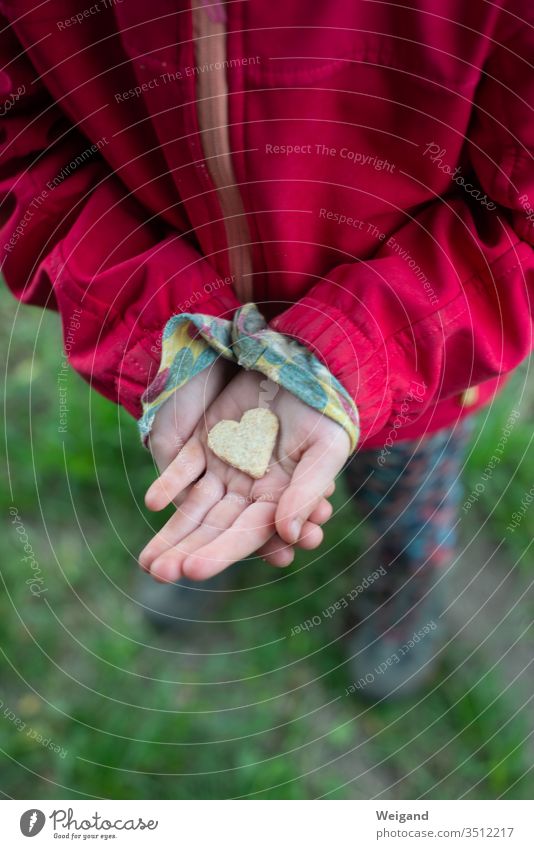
(447, 299)
(72, 238)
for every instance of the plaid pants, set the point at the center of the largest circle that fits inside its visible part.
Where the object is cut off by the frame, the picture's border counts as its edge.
(409, 495)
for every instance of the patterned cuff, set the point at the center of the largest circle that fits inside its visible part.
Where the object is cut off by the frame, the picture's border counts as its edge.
(192, 342)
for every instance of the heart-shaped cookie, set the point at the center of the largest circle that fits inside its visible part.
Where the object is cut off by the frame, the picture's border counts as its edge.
(246, 445)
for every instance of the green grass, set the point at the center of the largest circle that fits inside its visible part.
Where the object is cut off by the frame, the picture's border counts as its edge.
(234, 708)
(508, 482)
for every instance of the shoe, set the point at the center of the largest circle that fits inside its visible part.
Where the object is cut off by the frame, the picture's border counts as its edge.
(179, 606)
(397, 633)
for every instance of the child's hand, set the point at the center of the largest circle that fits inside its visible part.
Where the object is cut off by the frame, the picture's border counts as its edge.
(227, 515)
(178, 417)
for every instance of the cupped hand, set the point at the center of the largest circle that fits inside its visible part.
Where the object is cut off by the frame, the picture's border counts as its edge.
(226, 515)
(178, 417)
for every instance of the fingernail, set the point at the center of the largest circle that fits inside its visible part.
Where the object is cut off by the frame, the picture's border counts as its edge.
(294, 530)
(289, 560)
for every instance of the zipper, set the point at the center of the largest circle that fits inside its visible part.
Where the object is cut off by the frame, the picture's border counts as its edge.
(209, 36)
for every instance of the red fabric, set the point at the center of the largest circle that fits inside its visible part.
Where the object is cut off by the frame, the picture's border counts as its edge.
(429, 283)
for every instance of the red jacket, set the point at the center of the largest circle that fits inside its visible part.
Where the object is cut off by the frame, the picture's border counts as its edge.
(374, 193)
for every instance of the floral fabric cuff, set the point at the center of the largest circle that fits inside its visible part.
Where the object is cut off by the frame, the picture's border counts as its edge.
(192, 342)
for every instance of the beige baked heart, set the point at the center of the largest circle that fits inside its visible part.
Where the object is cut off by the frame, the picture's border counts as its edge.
(246, 445)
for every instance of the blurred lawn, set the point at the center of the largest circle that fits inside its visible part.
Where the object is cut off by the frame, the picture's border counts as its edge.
(233, 708)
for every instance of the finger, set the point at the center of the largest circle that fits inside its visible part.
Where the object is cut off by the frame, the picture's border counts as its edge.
(322, 512)
(184, 469)
(312, 476)
(330, 490)
(201, 498)
(168, 566)
(249, 532)
(276, 552)
(311, 536)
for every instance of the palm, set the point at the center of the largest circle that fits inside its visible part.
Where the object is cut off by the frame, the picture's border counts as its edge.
(180, 414)
(242, 395)
(227, 515)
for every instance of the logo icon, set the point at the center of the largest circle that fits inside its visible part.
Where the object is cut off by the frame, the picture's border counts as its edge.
(32, 822)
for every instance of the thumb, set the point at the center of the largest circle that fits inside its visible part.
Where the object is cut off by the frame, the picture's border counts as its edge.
(179, 474)
(313, 475)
